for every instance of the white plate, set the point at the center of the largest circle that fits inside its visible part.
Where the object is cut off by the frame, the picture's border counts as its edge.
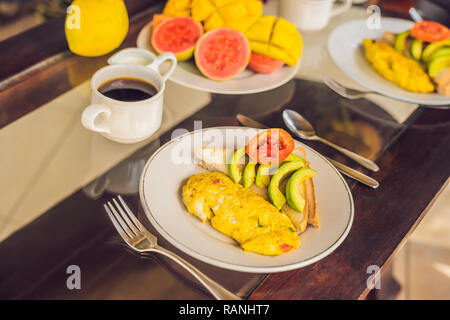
(345, 47)
(160, 193)
(187, 74)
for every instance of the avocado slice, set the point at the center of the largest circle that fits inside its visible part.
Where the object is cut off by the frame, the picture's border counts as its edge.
(400, 41)
(294, 198)
(275, 195)
(262, 176)
(437, 65)
(294, 157)
(432, 48)
(249, 174)
(416, 49)
(233, 166)
(441, 52)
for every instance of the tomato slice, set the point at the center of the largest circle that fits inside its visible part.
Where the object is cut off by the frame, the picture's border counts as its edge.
(270, 146)
(430, 31)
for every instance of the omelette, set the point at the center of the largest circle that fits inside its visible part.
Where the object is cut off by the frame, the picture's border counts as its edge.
(397, 68)
(239, 213)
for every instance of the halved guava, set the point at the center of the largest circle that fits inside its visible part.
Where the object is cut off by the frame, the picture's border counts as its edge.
(264, 64)
(177, 35)
(222, 54)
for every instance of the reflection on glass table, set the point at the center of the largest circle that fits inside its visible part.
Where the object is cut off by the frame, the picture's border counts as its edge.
(123, 179)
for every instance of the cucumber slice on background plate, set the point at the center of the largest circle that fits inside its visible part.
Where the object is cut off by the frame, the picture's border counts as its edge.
(437, 65)
(400, 41)
(416, 49)
(439, 53)
(432, 48)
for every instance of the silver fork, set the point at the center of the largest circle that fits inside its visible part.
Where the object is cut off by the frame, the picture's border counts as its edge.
(140, 239)
(344, 91)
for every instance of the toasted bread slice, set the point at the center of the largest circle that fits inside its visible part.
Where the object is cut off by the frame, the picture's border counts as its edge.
(216, 159)
(443, 81)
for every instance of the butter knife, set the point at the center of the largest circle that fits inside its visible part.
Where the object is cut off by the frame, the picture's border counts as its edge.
(349, 172)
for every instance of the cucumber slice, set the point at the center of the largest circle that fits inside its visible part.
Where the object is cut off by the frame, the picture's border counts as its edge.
(400, 41)
(416, 49)
(233, 166)
(432, 48)
(249, 174)
(439, 53)
(262, 176)
(437, 65)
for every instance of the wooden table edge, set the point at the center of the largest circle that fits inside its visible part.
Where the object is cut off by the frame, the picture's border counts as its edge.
(366, 291)
(261, 292)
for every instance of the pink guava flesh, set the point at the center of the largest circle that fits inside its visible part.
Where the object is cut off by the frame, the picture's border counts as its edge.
(176, 35)
(222, 53)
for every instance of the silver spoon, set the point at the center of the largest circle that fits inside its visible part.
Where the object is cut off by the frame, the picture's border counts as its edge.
(302, 128)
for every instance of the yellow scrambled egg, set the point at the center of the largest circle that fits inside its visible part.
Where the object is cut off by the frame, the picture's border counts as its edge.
(395, 67)
(240, 213)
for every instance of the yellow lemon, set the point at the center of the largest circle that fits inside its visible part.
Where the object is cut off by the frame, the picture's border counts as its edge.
(95, 28)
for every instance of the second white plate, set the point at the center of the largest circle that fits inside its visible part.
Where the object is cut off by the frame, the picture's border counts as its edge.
(345, 47)
(187, 74)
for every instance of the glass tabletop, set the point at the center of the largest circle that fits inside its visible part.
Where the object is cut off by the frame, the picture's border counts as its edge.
(56, 175)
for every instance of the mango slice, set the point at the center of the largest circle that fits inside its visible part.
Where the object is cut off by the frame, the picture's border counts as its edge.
(177, 8)
(239, 15)
(276, 38)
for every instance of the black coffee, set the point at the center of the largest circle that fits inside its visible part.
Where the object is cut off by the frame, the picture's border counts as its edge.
(128, 89)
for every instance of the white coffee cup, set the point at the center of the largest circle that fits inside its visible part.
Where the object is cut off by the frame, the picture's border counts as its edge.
(311, 14)
(128, 122)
